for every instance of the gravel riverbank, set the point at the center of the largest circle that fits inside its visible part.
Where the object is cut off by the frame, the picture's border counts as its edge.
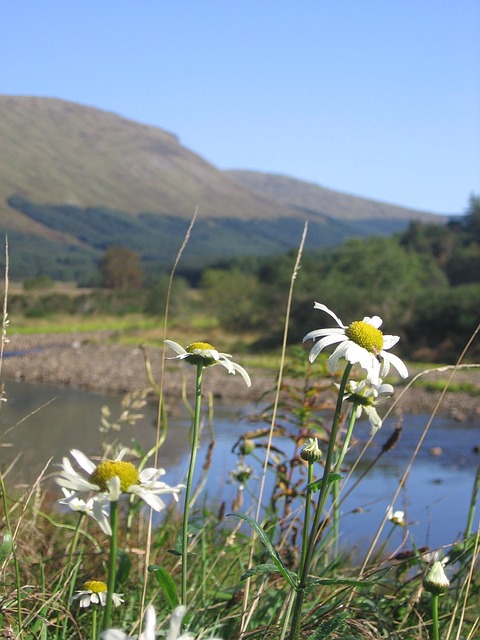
(94, 362)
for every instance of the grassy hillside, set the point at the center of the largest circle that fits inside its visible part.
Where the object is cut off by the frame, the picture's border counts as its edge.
(56, 152)
(313, 199)
(74, 180)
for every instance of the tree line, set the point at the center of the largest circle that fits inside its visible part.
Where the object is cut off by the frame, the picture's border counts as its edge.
(424, 283)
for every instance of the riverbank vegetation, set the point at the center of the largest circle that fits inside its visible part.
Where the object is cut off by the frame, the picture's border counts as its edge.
(240, 571)
(427, 276)
(100, 537)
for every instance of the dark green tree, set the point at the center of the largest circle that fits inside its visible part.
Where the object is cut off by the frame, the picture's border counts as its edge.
(120, 269)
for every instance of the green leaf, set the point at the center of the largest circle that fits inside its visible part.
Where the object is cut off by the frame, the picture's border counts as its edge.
(288, 575)
(259, 569)
(166, 583)
(350, 582)
(6, 547)
(315, 486)
(326, 629)
(178, 544)
(123, 568)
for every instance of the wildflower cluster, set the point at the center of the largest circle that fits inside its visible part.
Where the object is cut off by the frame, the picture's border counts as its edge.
(361, 343)
(107, 481)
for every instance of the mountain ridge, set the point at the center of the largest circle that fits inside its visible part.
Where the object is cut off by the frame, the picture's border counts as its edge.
(73, 177)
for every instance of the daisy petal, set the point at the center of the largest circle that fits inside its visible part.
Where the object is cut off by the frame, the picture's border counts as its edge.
(397, 363)
(176, 347)
(86, 464)
(322, 307)
(374, 321)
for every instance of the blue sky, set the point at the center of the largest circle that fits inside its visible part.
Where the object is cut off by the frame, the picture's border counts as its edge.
(379, 98)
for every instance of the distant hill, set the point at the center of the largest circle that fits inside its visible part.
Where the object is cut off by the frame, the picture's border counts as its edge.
(310, 199)
(74, 180)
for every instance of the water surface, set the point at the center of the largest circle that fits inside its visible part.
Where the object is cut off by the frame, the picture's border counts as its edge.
(41, 424)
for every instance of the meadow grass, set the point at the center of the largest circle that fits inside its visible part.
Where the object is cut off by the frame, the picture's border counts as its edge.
(54, 552)
(274, 572)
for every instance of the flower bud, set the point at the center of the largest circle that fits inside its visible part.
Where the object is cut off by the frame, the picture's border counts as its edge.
(311, 452)
(436, 581)
(247, 446)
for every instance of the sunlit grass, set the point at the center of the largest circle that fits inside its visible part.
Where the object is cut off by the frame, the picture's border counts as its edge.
(68, 324)
(435, 386)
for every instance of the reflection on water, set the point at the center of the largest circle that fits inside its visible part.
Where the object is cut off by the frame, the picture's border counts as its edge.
(42, 423)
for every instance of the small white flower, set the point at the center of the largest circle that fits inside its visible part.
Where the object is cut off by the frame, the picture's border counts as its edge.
(203, 353)
(176, 625)
(241, 473)
(396, 517)
(148, 632)
(95, 592)
(112, 477)
(365, 395)
(434, 556)
(361, 342)
(96, 508)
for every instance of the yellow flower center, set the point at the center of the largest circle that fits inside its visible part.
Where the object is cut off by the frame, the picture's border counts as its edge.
(95, 586)
(203, 346)
(199, 358)
(366, 336)
(126, 471)
(364, 401)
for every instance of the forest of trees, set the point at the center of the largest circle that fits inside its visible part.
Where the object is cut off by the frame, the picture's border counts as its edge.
(423, 282)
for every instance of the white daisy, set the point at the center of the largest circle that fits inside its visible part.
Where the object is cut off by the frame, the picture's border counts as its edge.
(361, 342)
(203, 353)
(396, 517)
(113, 477)
(148, 632)
(95, 592)
(96, 508)
(365, 395)
(241, 473)
(176, 626)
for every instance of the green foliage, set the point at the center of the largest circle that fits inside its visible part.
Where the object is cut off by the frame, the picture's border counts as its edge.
(234, 297)
(441, 325)
(426, 276)
(42, 282)
(31, 257)
(86, 232)
(120, 269)
(156, 296)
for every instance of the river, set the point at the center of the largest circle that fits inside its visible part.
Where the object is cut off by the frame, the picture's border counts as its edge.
(39, 424)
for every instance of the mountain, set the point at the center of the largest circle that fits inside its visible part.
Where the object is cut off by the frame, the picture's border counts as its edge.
(74, 180)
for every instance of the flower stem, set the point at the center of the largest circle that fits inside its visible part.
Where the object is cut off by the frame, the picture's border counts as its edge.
(112, 564)
(336, 485)
(16, 565)
(94, 623)
(191, 468)
(324, 491)
(435, 635)
(473, 502)
(306, 517)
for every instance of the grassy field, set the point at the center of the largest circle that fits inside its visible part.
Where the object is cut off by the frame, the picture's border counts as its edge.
(274, 573)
